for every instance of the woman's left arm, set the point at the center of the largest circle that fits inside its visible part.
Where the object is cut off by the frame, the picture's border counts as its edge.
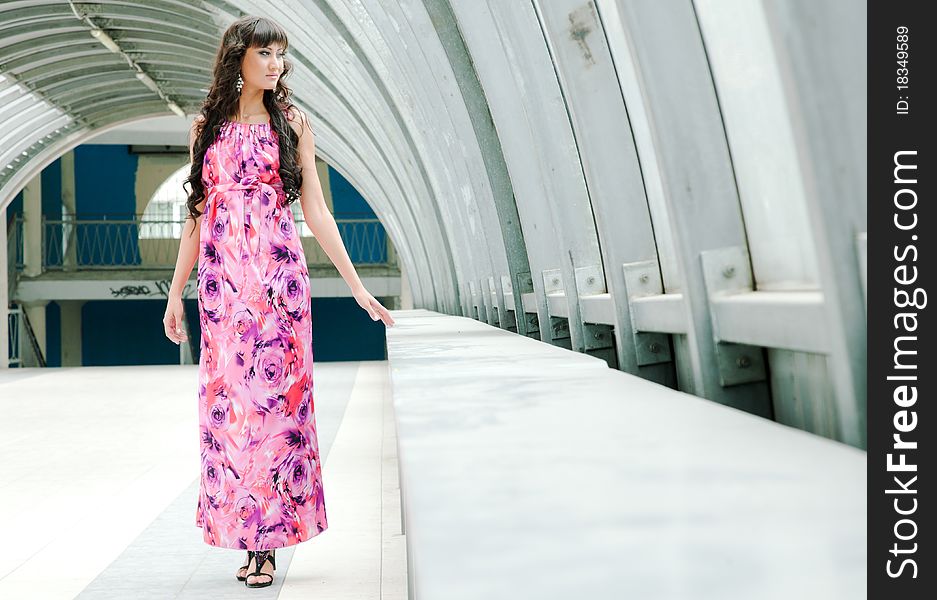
(322, 224)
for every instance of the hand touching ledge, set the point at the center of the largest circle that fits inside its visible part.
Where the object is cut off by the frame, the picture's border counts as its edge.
(375, 309)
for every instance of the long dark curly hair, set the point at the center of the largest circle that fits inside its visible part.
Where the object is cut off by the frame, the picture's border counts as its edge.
(222, 100)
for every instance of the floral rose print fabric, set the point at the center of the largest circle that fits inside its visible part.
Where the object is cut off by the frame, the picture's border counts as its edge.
(261, 476)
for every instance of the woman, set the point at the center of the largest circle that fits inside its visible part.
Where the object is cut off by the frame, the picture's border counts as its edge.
(253, 154)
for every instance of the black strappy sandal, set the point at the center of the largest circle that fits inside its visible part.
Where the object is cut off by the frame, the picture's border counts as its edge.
(250, 555)
(260, 558)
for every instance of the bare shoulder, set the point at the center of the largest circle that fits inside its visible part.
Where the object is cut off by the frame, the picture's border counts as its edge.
(196, 125)
(298, 120)
(194, 130)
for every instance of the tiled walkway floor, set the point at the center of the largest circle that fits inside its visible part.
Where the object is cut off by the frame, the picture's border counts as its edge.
(99, 483)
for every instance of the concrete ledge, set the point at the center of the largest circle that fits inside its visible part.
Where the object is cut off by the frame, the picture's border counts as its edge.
(530, 471)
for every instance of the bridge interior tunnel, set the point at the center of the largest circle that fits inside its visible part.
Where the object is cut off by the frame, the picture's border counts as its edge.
(675, 187)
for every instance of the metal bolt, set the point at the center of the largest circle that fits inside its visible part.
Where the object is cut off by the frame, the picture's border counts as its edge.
(555, 281)
(728, 272)
(654, 347)
(743, 362)
(644, 278)
(590, 280)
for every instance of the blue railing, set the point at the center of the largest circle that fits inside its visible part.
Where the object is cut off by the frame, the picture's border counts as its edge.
(113, 243)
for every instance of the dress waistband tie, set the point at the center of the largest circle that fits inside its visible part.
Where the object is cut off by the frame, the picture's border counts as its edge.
(250, 215)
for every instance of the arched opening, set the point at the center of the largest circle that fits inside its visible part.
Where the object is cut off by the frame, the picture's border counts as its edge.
(166, 211)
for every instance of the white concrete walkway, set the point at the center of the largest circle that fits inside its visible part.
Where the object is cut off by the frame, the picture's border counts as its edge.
(99, 481)
(530, 471)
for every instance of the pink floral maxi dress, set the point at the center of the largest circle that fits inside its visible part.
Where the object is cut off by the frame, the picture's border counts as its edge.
(261, 476)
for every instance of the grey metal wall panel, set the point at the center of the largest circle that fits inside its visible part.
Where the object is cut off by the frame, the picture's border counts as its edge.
(699, 189)
(758, 130)
(830, 146)
(771, 192)
(527, 107)
(610, 163)
(491, 176)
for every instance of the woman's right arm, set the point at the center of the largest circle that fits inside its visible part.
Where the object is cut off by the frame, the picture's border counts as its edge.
(173, 321)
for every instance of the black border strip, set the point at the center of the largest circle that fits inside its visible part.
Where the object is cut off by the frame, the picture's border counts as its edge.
(900, 271)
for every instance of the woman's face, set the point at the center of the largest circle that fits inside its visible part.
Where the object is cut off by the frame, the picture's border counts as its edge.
(261, 67)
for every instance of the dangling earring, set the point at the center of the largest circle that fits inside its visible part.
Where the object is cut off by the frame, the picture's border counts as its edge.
(240, 83)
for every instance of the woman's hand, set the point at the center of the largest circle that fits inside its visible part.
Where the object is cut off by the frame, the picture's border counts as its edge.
(375, 309)
(174, 319)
